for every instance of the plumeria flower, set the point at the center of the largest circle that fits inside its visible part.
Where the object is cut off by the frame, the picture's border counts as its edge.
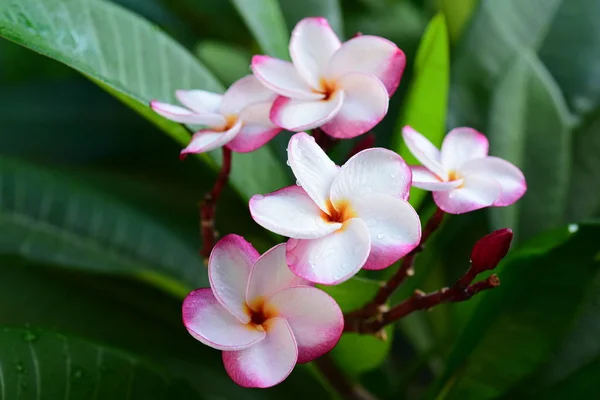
(342, 88)
(340, 220)
(462, 176)
(263, 317)
(238, 119)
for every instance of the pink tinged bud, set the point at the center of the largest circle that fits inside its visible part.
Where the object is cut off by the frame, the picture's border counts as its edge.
(490, 250)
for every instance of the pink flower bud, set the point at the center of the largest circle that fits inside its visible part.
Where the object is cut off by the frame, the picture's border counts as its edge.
(490, 250)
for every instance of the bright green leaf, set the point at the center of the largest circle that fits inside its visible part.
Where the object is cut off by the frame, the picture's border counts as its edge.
(458, 14)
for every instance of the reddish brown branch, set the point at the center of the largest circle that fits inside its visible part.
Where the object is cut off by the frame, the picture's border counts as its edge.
(366, 142)
(325, 141)
(208, 207)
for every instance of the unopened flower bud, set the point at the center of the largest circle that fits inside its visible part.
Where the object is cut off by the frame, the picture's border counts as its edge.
(490, 250)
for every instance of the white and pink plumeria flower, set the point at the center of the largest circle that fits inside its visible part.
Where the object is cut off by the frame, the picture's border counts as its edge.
(340, 220)
(342, 88)
(462, 176)
(263, 317)
(238, 119)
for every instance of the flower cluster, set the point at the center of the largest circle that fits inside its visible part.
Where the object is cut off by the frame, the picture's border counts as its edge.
(263, 312)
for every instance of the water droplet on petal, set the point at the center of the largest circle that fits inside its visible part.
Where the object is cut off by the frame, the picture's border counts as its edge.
(380, 236)
(298, 183)
(258, 197)
(573, 228)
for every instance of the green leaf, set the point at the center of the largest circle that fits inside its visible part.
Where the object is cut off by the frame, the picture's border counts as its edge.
(530, 127)
(38, 364)
(294, 11)
(355, 353)
(458, 14)
(54, 219)
(265, 20)
(427, 100)
(517, 326)
(228, 62)
(132, 60)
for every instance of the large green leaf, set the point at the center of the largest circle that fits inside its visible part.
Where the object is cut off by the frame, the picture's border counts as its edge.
(458, 14)
(516, 327)
(131, 59)
(48, 217)
(265, 20)
(427, 100)
(294, 11)
(45, 365)
(530, 127)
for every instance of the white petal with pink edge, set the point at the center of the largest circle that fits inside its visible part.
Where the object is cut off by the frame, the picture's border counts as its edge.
(298, 115)
(268, 362)
(229, 268)
(331, 259)
(200, 101)
(477, 191)
(257, 129)
(394, 227)
(427, 180)
(424, 151)
(372, 171)
(313, 169)
(245, 92)
(271, 274)
(372, 55)
(315, 318)
(203, 141)
(185, 116)
(461, 145)
(365, 105)
(210, 323)
(282, 78)
(509, 177)
(291, 212)
(312, 44)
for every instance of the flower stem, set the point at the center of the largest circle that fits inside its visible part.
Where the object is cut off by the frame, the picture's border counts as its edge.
(208, 207)
(344, 386)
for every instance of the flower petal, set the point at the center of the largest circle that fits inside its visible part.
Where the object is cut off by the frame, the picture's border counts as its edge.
(257, 129)
(229, 268)
(200, 101)
(203, 141)
(268, 362)
(372, 55)
(509, 177)
(271, 274)
(185, 116)
(210, 323)
(312, 44)
(283, 78)
(331, 259)
(424, 151)
(461, 145)
(243, 93)
(476, 192)
(313, 169)
(394, 227)
(425, 179)
(315, 318)
(298, 115)
(372, 171)
(365, 104)
(290, 212)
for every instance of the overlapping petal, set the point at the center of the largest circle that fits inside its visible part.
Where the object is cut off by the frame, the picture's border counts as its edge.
(509, 177)
(365, 103)
(245, 92)
(425, 179)
(313, 169)
(200, 101)
(331, 259)
(291, 212)
(314, 317)
(185, 116)
(461, 145)
(206, 140)
(282, 78)
(371, 55)
(476, 192)
(269, 275)
(266, 363)
(312, 44)
(257, 129)
(298, 115)
(394, 227)
(372, 171)
(210, 323)
(229, 268)
(424, 151)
